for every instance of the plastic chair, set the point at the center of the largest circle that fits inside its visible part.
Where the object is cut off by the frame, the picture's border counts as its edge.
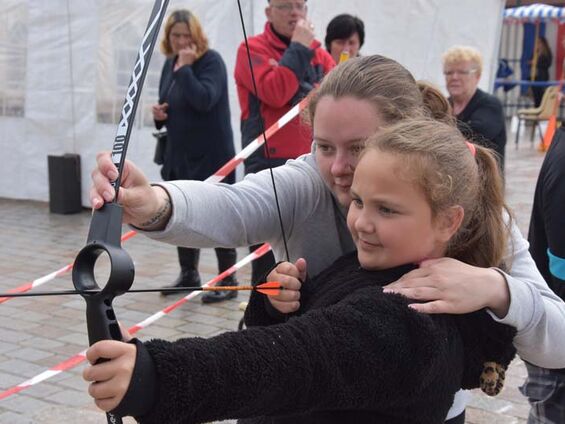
(536, 114)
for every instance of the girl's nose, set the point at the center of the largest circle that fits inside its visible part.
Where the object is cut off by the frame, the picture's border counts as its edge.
(361, 223)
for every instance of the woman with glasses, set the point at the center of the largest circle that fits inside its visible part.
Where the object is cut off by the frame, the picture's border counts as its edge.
(194, 107)
(479, 115)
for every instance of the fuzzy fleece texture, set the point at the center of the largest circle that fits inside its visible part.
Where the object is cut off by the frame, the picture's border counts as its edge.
(350, 354)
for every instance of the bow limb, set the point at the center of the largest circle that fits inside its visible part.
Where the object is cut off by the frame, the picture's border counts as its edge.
(105, 226)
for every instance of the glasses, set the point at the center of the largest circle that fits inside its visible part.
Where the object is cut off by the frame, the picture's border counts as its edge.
(460, 73)
(287, 7)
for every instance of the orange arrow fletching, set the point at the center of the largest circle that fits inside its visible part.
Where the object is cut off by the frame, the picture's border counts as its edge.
(270, 288)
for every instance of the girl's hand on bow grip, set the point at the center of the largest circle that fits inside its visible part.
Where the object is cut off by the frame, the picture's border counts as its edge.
(290, 276)
(110, 379)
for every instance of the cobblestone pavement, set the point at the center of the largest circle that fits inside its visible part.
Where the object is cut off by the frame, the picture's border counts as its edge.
(38, 333)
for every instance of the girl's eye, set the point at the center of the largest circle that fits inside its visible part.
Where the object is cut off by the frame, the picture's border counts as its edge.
(386, 211)
(357, 202)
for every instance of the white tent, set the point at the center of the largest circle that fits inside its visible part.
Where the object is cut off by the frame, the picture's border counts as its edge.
(65, 65)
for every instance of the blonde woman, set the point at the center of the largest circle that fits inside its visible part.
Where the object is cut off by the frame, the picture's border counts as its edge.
(479, 115)
(193, 106)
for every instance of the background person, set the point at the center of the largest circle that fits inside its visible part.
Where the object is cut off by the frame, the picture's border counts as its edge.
(545, 388)
(194, 108)
(542, 64)
(287, 63)
(480, 115)
(344, 33)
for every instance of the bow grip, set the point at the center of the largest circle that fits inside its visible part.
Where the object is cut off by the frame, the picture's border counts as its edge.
(100, 316)
(103, 237)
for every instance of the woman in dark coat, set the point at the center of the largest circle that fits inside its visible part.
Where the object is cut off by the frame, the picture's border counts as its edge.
(543, 63)
(194, 107)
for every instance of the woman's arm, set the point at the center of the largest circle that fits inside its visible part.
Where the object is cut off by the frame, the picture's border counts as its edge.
(159, 110)
(243, 214)
(537, 313)
(203, 90)
(450, 286)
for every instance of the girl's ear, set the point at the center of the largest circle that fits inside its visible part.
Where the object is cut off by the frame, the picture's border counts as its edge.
(449, 222)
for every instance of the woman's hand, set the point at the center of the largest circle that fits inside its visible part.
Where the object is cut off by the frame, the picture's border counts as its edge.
(160, 112)
(290, 276)
(110, 379)
(449, 286)
(142, 203)
(187, 56)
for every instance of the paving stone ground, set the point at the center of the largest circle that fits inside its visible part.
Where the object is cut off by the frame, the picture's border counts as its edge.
(38, 333)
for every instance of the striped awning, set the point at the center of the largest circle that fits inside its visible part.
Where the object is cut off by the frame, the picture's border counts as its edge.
(534, 13)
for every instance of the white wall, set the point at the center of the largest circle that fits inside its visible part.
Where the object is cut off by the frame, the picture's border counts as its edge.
(61, 106)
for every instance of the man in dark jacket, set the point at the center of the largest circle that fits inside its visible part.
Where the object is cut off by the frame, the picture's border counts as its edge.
(545, 388)
(287, 63)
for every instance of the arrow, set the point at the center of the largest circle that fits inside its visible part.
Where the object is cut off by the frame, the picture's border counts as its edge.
(270, 288)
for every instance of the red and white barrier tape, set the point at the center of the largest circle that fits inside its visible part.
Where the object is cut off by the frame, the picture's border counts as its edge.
(42, 280)
(80, 357)
(225, 170)
(218, 176)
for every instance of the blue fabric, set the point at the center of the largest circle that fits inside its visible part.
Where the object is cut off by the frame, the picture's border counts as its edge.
(502, 73)
(556, 265)
(528, 50)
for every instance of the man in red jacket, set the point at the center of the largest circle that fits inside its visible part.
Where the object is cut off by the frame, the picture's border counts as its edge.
(287, 63)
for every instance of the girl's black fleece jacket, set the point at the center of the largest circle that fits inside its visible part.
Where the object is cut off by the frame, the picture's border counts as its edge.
(351, 354)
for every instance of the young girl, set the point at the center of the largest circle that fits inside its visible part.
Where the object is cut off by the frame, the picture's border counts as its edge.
(351, 353)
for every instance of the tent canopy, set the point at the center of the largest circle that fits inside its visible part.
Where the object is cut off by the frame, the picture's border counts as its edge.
(65, 67)
(534, 13)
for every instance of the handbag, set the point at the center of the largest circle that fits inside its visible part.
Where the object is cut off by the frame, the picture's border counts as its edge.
(160, 147)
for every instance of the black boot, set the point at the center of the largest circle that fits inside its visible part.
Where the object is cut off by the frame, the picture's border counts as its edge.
(189, 276)
(226, 259)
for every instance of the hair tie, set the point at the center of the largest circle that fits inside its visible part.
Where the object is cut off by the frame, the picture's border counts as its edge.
(471, 147)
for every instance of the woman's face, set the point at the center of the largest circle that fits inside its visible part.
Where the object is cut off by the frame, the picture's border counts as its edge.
(340, 129)
(350, 44)
(461, 79)
(390, 218)
(179, 37)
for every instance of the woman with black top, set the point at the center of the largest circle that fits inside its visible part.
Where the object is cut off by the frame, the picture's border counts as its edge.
(480, 116)
(543, 63)
(194, 107)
